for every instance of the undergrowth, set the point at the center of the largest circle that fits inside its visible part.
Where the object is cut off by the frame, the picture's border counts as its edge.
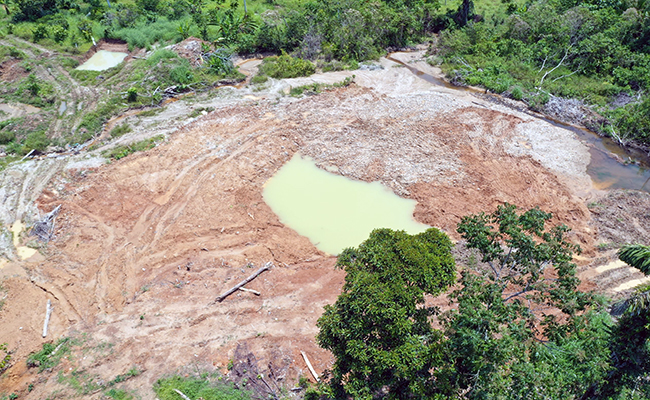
(315, 88)
(122, 151)
(206, 387)
(51, 354)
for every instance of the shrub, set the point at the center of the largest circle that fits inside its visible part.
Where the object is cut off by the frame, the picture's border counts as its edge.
(4, 359)
(59, 33)
(285, 66)
(132, 95)
(37, 141)
(41, 32)
(120, 130)
(7, 136)
(46, 357)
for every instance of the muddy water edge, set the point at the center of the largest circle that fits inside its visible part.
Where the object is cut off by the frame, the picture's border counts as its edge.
(612, 166)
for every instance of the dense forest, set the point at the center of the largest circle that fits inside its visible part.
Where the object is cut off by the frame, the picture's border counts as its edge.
(595, 52)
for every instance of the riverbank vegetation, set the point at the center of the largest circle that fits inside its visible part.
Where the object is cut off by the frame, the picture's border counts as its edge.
(594, 51)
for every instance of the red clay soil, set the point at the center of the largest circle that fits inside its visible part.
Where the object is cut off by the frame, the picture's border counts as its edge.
(144, 245)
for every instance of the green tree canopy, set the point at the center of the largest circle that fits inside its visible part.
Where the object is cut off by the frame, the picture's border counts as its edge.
(379, 329)
(518, 327)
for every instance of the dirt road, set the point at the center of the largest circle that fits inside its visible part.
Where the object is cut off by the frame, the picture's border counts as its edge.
(145, 244)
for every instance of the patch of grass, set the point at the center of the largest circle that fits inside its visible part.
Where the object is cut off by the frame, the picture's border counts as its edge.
(123, 151)
(68, 62)
(119, 394)
(123, 377)
(315, 88)
(82, 382)
(4, 161)
(51, 354)
(120, 130)
(5, 357)
(206, 387)
(145, 33)
(198, 111)
(150, 113)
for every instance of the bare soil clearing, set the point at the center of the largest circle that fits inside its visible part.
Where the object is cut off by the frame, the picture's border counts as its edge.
(144, 245)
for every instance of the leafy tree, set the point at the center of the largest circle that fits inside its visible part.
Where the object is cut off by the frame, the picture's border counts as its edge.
(31, 10)
(379, 329)
(520, 330)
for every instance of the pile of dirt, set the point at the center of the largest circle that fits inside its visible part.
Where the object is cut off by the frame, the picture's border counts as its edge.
(191, 49)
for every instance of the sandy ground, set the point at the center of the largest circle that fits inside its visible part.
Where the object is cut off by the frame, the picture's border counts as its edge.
(144, 245)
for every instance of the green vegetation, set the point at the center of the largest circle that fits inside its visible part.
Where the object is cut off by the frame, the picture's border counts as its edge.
(378, 330)
(284, 66)
(120, 130)
(198, 111)
(5, 357)
(316, 88)
(521, 328)
(118, 394)
(51, 354)
(125, 150)
(205, 387)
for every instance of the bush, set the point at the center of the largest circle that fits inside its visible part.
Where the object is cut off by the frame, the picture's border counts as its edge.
(40, 32)
(59, 33)
(46, 358)
(37, 141)
(181, 75)
(285, 66)
(7, 136)
(132, 95)
(120, 130)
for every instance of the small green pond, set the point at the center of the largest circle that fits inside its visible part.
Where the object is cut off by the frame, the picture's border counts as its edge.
(332, 211)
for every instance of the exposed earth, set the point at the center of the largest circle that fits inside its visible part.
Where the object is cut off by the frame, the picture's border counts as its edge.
(144, 245)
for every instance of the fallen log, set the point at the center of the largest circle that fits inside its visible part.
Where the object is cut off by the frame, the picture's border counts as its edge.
(266, 267)
(311, 369)
(48, 313)
(255, 292)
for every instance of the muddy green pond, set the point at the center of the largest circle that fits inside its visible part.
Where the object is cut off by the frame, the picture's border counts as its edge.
(102, 60)
(335, 212)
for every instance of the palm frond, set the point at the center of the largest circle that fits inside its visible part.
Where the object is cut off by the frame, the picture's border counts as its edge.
(637, 256)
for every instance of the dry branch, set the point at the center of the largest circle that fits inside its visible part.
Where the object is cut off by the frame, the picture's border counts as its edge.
(48, 313)
(255, 292)
(311, 369)
(266, 267)
(44, 228)
(181, 394)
